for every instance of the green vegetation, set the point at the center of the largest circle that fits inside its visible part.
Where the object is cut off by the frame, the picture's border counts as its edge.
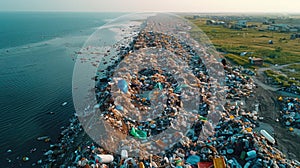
(233, 42)
(284, 80)
(293, 71)
(255, 41)
(237, 59)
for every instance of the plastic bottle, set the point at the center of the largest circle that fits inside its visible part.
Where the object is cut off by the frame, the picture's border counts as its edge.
(251, 155)
(247, 164)
(268, 136)
(124, 154)
(106, 158)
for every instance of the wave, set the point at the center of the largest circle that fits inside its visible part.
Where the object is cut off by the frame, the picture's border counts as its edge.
(54, 42)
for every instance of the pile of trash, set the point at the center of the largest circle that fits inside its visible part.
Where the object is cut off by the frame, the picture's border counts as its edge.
(290, 112)
(232, 143)
(292, 89)
(239, 83)
(56, 154)
(148, 80)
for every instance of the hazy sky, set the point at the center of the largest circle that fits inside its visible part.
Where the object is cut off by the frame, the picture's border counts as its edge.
(153, 5)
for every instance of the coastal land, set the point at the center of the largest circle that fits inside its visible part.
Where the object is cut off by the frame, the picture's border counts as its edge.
(251, 105)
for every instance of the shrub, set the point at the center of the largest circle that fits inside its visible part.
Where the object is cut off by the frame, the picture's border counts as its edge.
(286, 84)
(278, 49)
(282, 77)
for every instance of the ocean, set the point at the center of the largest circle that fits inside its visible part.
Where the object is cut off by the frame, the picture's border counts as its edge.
(37, 57)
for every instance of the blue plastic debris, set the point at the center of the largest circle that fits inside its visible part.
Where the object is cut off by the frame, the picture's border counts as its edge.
(123, 86)
(193, 159)
(119, 107)
(251, 155)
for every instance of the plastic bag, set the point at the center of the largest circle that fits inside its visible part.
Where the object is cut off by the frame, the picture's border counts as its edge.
(159, 85)
(179, 88)
(123, 86)
(119, 107)
(138, 133)
(193, 159)
(202, 118)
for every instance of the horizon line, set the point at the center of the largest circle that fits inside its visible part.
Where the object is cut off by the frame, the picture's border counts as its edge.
(188, 12)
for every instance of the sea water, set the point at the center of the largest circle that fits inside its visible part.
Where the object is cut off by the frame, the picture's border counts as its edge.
(37, 56)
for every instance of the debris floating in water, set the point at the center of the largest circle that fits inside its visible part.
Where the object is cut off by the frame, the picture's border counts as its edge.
(42, 138)
(25, 158)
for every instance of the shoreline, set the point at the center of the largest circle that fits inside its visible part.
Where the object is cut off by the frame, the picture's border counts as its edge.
(89, 148)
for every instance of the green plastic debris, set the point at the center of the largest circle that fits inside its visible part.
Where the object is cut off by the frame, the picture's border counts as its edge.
(179, 87)
(178, 161)
(202, 118)
(184, 86)
(159, 85)
(138, 133)
(243, 154)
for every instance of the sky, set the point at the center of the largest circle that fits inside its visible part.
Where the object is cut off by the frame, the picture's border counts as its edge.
(284, 6)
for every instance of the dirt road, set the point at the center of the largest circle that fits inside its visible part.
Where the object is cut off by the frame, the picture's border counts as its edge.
(260, 78)
(266, 96)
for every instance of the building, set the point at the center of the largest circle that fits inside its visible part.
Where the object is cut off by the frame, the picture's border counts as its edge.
(196, 16)
(242, 23)
(293, 30)
(294, 36)
(279, 27)
(256, 61)
(283, 28)
(210, 22)
(269, 21)
(213, 22)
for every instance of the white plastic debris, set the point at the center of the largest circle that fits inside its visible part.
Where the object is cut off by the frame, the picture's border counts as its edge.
(267, 136)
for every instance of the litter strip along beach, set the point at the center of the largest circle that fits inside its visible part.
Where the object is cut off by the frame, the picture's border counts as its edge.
(213, 135)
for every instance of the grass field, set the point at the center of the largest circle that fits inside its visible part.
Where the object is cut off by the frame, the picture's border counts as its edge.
(231, 43)
(292, 70)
